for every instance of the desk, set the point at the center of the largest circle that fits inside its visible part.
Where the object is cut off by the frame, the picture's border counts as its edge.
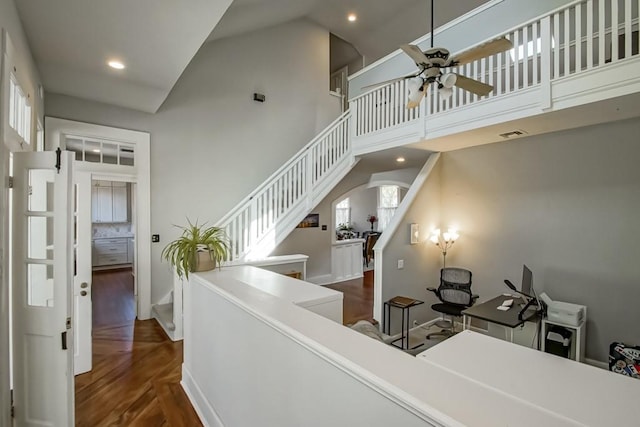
(405, 304)
(489, 312)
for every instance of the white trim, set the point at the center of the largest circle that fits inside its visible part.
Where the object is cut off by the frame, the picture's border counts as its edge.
(597, 364)
(139, 173)
(198, 400)
(324, 279)
(397, 219)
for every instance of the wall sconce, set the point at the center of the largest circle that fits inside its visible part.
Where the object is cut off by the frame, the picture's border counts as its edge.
(415, 233)
(444, 241)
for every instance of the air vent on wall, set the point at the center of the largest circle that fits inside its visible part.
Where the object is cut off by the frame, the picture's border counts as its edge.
(513, 134)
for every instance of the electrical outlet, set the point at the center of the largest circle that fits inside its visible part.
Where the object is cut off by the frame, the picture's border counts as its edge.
(155, 238)
(400, 264)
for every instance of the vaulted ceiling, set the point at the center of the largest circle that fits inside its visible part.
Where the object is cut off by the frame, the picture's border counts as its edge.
(72, 40)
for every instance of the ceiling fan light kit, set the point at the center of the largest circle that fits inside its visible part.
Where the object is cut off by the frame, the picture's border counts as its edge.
(433, 61)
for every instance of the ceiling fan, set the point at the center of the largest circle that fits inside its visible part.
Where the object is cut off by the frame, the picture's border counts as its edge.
(433, 61)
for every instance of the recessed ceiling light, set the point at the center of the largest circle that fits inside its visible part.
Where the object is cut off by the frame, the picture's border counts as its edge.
(95, 150)
(116, 64)
(400, 159)
(352, 17)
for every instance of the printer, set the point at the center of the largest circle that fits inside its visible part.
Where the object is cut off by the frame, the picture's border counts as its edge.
(563, 312)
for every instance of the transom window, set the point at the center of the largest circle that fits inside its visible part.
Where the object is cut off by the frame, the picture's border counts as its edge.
(97, 151)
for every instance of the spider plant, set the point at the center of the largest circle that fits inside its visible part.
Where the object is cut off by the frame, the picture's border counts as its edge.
(199, 248)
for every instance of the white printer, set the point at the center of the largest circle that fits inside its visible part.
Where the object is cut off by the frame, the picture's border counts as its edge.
(563, 312)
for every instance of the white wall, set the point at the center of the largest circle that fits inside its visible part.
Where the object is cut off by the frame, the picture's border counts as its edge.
(210, 143)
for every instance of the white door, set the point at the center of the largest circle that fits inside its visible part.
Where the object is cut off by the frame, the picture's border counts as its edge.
(42, 277)
(82, 307)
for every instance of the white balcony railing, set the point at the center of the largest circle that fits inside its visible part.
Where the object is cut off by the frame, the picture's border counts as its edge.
(573, 39)
(289, 193)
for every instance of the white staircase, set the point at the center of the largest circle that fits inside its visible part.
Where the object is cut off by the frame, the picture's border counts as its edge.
(264, 218)
(583, 52)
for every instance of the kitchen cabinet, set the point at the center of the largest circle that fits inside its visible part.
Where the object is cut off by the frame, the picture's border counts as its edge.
(111, 251)
(109, 202)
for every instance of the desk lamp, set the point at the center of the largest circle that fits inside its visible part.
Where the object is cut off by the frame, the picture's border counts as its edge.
(444, 241)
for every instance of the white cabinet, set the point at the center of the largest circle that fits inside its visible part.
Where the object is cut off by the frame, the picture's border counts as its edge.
(110, 252)
(109, 202)
(346, 259)
(119, 198)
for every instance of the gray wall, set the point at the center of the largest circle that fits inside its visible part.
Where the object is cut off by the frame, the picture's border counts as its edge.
(317, 243)
(564, 203)
(500, 18)
(364, 202)
(422, 261)
(210, 143)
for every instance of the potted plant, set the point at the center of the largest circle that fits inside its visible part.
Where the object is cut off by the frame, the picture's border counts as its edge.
(199, 248)
(372, 219)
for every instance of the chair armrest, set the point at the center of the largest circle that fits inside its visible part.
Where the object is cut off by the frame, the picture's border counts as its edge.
(434, 290)
(474, 297)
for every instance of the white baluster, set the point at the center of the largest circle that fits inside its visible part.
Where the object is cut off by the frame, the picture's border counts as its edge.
(534, 58)
(601, 32)
(545, 62)
(589, 34)
(614, 31)
(627, 28)
(578, 44)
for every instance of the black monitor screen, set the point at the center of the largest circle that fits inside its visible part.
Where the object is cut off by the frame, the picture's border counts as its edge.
(527, 278)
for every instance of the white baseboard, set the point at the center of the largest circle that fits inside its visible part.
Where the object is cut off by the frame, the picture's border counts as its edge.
(325, 279)
(597, 363)
(206, 413)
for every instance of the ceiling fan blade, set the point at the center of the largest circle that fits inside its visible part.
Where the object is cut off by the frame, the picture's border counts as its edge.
(473, 86)
(416, 54)
(386, 82)
(482, 51)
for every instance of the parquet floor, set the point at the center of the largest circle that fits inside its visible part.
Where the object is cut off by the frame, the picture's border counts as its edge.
(135, 379)
(358, 298)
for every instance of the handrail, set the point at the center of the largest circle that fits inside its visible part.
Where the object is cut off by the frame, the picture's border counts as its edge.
(284, 167)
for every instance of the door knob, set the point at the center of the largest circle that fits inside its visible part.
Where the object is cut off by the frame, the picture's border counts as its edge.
(83, 293)
(84, 285)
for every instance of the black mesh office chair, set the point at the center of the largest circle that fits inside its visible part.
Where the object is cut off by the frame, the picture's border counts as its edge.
(455, 293)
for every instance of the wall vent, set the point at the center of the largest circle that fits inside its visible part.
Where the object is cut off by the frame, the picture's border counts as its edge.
(513, 134)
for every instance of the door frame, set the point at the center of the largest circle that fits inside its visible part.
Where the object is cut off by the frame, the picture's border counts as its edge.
(56, 128)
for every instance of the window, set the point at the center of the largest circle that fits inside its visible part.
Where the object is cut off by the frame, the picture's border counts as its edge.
(388, 200)
(343, 212)
(19, 111)
(96, 151)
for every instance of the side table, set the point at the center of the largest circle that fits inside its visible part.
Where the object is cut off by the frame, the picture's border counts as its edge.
(405, 304)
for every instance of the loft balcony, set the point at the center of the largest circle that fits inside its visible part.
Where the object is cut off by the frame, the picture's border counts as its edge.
(574, 66)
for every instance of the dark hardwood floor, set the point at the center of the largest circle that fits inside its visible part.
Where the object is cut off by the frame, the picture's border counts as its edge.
(358, 298)
(136, 374)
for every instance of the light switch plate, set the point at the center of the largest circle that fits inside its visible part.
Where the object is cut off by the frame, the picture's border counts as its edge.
(400, 264)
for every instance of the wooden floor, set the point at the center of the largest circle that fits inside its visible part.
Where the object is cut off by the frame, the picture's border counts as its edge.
(135, 379)
(358, 298)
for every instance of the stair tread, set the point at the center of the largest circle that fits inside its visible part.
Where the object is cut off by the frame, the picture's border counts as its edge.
(164, 314)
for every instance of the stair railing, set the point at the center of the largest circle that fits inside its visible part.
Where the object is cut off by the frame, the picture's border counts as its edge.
(294, 183)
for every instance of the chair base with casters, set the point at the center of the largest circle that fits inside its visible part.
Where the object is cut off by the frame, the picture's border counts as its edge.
(455, 295)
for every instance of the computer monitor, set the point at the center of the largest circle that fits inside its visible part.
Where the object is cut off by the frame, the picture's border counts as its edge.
(527, 279)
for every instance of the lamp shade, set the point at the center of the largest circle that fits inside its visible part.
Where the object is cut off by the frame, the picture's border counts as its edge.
(416, 89)
(448, 80)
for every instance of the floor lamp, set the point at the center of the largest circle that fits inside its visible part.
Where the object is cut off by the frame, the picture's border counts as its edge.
(444, 241)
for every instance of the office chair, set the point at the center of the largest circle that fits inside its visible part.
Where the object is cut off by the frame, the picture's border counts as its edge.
(455, 295)
(369, 243)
